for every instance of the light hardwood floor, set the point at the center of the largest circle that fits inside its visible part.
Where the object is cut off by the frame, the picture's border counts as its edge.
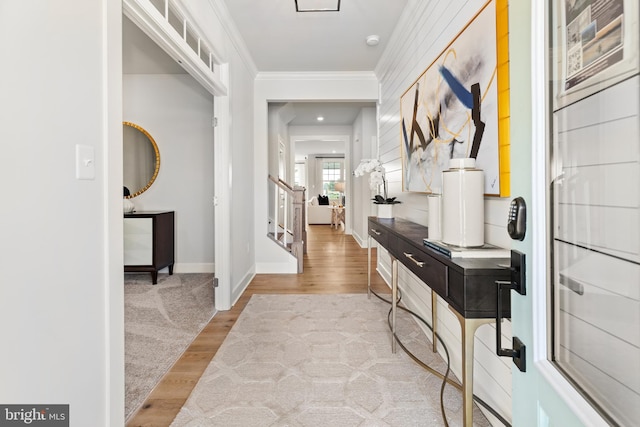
(334, 264)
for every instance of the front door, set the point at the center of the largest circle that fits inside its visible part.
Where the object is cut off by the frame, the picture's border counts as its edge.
(575, 158)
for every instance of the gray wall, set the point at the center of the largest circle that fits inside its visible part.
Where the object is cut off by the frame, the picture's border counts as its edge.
(177, 112)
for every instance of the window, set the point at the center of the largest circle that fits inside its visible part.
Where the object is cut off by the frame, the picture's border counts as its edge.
(332, 173)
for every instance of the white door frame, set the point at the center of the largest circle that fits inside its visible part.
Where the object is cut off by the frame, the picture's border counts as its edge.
(222, 198)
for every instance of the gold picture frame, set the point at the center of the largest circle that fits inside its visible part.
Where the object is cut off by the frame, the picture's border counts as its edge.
(459, 107)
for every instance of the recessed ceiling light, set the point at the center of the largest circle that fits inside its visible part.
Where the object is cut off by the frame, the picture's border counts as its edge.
(317, 5)
(373, 40)
(320, 118)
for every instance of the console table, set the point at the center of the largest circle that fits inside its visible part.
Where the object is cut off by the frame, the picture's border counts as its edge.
(149, 242)
(467, 285)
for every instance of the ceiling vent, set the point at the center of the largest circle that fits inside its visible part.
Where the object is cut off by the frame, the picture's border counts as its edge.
(317, 5)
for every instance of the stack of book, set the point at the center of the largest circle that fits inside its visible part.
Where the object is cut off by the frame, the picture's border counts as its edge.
(485, 251)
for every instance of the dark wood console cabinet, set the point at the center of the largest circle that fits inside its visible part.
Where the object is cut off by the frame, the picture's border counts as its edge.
(467, 285)
(149, 242)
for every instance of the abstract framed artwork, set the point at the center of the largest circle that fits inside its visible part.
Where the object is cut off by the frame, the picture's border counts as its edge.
(459, 107)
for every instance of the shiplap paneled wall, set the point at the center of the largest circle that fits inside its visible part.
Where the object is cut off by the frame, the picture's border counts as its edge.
(597, 145)
(426, 28)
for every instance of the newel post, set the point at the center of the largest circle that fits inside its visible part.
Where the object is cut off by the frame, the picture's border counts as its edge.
(299, 245)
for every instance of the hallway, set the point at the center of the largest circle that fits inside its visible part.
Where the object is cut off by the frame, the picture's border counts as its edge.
(334, 264)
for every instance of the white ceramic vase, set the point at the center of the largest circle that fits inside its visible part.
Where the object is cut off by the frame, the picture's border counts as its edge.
(385, 211)
(128, 206)
(463, 204)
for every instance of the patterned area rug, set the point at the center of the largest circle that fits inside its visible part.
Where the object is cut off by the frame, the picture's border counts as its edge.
(160, 322)
(320, 360)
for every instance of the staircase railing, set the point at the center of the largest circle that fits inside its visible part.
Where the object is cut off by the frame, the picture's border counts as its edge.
(287, 218)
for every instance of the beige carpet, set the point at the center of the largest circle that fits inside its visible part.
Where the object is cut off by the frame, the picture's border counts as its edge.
(160, 322)
(320, 360)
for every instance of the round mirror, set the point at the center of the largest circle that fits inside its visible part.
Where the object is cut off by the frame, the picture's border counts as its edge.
(141, 160)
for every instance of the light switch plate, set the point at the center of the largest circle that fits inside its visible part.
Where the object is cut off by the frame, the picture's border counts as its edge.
(85, 162)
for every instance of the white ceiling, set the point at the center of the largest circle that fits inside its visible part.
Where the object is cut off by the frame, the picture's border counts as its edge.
(303, 149)
(281, 39)
(333, 113)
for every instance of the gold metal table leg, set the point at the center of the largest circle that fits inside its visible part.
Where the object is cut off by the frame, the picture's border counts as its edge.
(434, 319)
(369, 267)
(469, 327)
(394, 300)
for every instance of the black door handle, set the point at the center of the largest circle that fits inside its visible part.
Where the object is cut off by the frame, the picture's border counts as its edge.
(517, 283)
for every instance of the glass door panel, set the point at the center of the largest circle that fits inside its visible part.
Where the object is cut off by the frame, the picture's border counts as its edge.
(594, 199)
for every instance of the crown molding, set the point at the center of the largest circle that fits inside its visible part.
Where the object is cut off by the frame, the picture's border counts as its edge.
(317, 75)
(229, 26)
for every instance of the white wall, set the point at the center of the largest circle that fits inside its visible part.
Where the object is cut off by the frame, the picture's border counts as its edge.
(313, 178)
(242, 175)
(426, 28)
(305, 132)
(276, 87)
(279, 116)
(61, 302)
(364, 146)
(234, 175)
(61, 297)
(177, 112)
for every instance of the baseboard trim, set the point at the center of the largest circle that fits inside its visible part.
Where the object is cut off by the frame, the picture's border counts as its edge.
(238, 290)
(193, 268)
(359, 240)
(276, 268)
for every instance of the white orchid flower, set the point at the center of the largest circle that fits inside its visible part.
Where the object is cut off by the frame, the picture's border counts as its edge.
(376, 176)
